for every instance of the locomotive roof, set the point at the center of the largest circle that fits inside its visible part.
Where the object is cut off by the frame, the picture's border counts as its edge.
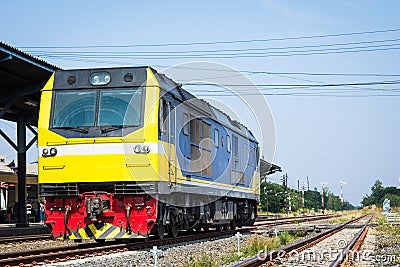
(214, 113)
(166, 84)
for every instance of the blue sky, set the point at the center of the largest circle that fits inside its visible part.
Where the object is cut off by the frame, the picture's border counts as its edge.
(352, 138)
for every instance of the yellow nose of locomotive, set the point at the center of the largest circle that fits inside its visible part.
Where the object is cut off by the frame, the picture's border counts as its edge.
(90, 160)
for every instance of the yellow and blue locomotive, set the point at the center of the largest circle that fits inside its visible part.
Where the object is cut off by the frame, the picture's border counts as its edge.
(127, 152)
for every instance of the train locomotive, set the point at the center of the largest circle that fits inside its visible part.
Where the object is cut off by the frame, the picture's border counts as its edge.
(128, 153)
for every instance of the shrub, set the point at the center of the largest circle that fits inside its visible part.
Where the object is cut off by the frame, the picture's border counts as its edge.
(285, 238)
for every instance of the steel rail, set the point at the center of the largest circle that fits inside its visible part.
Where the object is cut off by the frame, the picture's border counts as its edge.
(266, 218)
(12, 239)
(302, 244)
(345, 253)
(295, 220)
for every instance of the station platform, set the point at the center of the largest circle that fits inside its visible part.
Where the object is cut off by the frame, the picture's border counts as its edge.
(7, 230)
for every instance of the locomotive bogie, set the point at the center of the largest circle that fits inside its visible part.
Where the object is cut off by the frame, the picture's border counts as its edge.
(101, 216)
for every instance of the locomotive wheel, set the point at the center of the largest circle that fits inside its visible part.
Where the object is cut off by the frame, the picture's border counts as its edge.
(160, 232)
(173, 230)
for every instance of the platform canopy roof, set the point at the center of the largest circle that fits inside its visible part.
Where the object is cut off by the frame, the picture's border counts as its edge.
(267, 168)
(21, 78)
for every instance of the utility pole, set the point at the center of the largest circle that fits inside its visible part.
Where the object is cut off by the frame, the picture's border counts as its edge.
(322, 196)
(285, 192)
(302, 195)
(315, 198)
(266, 198)
(341, 192)
(298, 196)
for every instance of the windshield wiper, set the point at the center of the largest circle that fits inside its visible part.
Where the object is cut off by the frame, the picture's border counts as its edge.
(75, 129)
(114, 128)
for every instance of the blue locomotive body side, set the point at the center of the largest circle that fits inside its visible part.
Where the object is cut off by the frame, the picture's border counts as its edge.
(207, 134)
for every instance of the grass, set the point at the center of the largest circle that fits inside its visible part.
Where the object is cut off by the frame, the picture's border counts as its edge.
(390, 229)
(203, 261)
(388, 236)
(389, 242)
(252, 246)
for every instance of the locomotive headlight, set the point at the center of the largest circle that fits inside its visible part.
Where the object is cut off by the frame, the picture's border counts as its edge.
(53, 151)
(45, 152)
(99, 78)
(137, 148)
(146, 149)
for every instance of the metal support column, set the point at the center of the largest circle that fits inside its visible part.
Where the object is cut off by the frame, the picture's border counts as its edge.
(21, 144)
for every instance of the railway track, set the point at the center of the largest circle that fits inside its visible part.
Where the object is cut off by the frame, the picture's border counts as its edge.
(65, 253)
(292, 220)
(84, 250)
(13, 239)
(281, 256)
(269, 218)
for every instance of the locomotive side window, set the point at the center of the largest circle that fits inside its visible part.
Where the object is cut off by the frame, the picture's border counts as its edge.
(163, 116)
(216, 138)
(228, 143)
(74, 109)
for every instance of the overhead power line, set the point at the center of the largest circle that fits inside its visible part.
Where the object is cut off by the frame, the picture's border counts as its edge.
(72, 53)
(298, 85)
(280, 73)
(325, 74)
(237, 55)
(317, 94)
(320, 90)
(219, 42)
(276, 73)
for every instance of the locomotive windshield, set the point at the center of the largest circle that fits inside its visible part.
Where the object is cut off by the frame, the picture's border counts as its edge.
(89, 108)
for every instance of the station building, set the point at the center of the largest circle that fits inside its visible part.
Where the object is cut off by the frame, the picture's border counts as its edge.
(9, 183)
(9, 189)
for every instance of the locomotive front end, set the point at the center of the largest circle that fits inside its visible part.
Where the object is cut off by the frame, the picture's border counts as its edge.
(98, 152)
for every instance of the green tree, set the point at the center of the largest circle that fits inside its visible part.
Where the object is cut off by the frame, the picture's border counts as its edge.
(272, 193)
(368, 200)
(378, 192)
(394, 200)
